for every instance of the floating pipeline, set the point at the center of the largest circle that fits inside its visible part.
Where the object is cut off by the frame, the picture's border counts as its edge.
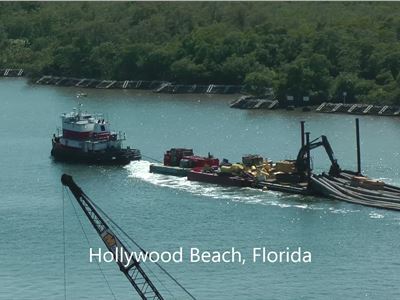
(250, 102)
(11, 72)
(199, 89)
(155, 85)
(359, 109)
(357, 190)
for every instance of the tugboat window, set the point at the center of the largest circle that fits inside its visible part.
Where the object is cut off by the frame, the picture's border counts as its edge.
(102, 128)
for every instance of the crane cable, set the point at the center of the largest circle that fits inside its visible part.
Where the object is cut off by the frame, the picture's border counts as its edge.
(141, 249)
(63, 227)
(87, 240)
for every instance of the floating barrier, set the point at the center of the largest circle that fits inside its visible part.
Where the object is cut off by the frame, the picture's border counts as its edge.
(155, 85)
(105, 84)
(249, 102)
(199, 89)
(359, 109)
(11, 72)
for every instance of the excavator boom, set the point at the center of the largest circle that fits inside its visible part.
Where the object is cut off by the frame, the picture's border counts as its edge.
(301, 164)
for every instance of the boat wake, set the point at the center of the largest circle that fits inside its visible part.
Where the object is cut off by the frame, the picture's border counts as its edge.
(140, 170)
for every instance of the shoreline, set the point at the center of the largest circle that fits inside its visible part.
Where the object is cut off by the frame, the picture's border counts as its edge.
(243, 102)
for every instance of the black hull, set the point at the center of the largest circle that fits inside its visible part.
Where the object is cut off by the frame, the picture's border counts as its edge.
(109, 157)
(219, 179)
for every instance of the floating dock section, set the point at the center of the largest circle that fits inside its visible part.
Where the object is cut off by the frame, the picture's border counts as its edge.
(99, 84)
(202, 89)
(249, 102)
(11, 72)
(155, 85)
(359, 109)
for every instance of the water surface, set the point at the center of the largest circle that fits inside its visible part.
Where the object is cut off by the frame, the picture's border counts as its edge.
(354, 248)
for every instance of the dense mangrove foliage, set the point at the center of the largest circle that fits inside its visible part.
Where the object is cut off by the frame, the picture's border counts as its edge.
(316, 49)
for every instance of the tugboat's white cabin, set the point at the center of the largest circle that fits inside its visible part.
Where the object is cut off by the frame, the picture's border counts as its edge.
(88, 132)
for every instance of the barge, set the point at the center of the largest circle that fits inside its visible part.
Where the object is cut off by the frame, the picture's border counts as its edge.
(87, 138)
(349, 186)
(227, 174)
(256, 172)
(215, 177)
(179, 162)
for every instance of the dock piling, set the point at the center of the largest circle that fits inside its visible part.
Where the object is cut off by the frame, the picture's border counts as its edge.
(308, 157)
(358, 146)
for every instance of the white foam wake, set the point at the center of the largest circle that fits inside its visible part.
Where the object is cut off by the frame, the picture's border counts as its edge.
(140, 170)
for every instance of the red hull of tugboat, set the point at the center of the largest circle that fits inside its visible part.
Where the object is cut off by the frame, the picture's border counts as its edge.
(219, 179)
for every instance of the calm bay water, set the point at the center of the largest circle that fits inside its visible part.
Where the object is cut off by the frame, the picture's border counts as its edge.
(354, 248)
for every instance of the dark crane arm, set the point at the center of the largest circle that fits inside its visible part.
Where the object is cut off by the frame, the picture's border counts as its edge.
(133, 271)
(301, 161)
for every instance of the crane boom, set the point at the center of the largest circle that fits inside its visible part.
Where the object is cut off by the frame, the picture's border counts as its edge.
(132, 270)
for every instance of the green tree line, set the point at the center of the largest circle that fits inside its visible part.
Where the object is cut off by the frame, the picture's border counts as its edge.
(316, 49)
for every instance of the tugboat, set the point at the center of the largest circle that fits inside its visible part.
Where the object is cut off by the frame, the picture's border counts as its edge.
(87, 138)
(179, 161)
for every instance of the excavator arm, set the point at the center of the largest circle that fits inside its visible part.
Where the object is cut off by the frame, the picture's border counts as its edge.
(301, 161)
(132, 270)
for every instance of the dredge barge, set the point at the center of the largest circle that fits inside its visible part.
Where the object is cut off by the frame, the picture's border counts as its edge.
(297, 177)
(87, 138)
(254, 171)
(349, 186)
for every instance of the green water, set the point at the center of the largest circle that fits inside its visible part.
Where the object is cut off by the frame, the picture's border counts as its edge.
(354, 248)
